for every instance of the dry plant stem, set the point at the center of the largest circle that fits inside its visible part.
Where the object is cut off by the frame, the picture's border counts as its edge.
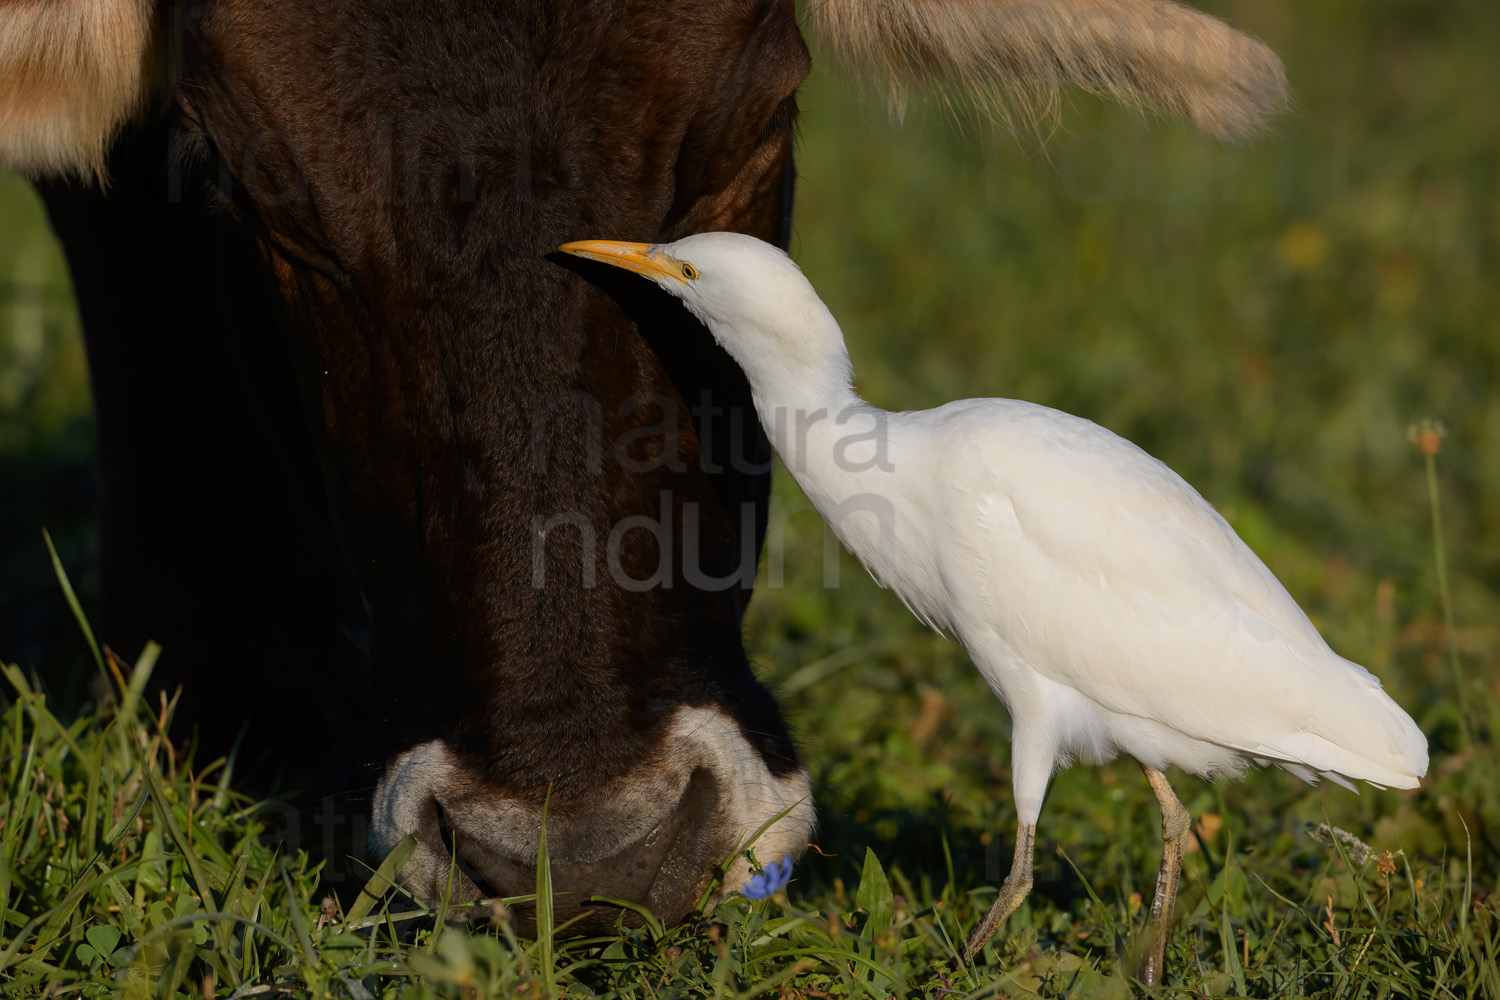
(1175, 822)
(1442, 575)
(1015, 888)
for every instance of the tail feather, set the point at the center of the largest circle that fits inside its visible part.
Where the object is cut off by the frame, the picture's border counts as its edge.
(1362, 735)
(1014, 55)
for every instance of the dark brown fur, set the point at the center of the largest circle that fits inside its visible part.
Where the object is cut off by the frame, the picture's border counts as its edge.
(354, 289)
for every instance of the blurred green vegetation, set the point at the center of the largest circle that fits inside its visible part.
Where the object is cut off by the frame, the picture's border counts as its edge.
(1268, 319)
(46, 438)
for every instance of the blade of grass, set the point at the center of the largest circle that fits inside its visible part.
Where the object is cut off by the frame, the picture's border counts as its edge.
(168, 821)
(1428, 435)
(774, 981)
(250, 957)
(546, 960)
(440, 918)
(1109, 920)
(648, 919)
(56, 918)
(1412, 983)
(1231, 957)
(77, 609)
(833, 956)
(133, 697)
(741, 848)
(91, 800)
(188, 919)
(4, 889)
(221, 793)
(131, 915)
(383, 880)
(295, 918)
(36, 706)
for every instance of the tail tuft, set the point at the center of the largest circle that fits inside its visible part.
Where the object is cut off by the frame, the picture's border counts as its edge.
(1014, 56)
(72, 72)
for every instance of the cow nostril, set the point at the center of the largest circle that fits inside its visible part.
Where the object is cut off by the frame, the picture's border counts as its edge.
(451, 839)
(667, 869)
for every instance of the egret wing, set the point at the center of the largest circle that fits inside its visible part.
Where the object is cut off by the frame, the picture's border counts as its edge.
(1103, 570)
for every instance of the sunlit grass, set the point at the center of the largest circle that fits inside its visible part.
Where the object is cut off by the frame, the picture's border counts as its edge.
(128, 867)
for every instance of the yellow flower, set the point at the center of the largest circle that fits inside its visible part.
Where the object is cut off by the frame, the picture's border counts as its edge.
(1303, 246)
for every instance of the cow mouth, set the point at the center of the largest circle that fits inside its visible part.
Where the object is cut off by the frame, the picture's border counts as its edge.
(668, 870)
(655, 837)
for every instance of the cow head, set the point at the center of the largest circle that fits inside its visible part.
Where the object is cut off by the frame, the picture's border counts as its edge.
(554, 571)
(548, 483)
(515, 470)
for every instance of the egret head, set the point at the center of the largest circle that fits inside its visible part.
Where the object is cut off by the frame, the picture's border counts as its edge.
(752, 297)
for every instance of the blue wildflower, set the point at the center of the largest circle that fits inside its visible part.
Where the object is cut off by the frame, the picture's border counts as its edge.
(770, 881)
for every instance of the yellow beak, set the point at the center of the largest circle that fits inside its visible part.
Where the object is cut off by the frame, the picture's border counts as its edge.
(638, 257)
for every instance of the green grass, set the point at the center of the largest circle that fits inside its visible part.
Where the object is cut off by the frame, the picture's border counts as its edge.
(126, 868)
(1269, 319)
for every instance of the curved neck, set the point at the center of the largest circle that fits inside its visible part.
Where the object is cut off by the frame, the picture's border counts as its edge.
(795, 361)
(829, 439)
(844, 454)
(802, 385)
(806, 408)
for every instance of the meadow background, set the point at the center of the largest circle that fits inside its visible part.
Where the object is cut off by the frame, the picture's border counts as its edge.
(1269, 319)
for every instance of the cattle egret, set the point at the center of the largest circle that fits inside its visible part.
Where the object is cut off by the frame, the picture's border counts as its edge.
(1110, 608)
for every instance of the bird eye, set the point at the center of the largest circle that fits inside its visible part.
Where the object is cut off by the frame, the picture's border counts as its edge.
(689, 271)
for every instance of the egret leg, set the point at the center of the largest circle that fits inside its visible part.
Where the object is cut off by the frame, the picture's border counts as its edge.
(1175, 822)
(1017, 884)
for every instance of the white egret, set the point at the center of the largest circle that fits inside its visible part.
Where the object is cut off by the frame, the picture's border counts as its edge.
(1107, 604)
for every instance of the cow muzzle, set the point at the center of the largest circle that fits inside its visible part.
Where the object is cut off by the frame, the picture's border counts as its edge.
(658, 838)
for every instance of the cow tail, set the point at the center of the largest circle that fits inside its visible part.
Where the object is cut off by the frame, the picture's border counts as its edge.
(72, 72)
(1013, 56)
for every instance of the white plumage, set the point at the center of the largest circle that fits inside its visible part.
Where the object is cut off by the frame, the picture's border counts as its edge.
(1107, 604)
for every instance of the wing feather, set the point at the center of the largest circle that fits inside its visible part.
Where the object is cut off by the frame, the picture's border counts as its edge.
(1108, 573)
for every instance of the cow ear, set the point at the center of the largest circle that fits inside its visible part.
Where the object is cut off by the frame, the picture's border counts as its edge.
(1013, 56)
(72, 72)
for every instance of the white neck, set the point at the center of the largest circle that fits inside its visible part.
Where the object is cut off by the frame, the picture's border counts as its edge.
(843, 452)
(806, 401)
(824, 440)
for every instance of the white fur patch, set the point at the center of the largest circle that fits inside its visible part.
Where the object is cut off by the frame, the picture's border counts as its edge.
(757, 795)
(71, 73)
